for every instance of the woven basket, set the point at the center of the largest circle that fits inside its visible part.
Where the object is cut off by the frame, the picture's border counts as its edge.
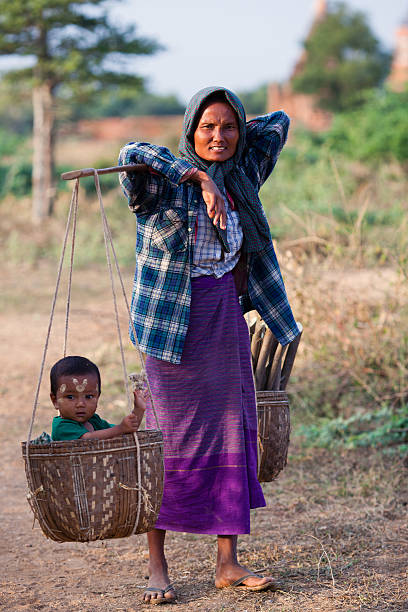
(84, 490)
(273, 433)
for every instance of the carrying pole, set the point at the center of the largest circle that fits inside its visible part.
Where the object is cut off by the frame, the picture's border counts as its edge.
(73, 174)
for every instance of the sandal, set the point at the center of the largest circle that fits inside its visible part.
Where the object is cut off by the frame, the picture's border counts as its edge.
(272, 585)
(162, 599)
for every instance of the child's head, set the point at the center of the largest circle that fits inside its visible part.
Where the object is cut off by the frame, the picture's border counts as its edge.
(75, 388)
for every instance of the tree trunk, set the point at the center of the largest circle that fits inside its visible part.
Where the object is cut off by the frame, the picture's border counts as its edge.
(43, 152)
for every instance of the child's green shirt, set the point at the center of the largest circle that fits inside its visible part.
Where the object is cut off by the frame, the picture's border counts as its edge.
(66, 429)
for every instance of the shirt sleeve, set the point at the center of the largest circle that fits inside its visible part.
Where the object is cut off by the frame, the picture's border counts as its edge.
(99, 423)
(143, 189)
(65, 429)
(266, 136)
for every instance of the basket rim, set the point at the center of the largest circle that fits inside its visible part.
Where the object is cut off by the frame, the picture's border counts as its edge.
(271, 393)
(148, 437)
(78, 451)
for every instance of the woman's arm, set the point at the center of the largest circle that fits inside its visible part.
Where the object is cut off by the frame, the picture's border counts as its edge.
(212, 197)
(143, 190)
(265, 138)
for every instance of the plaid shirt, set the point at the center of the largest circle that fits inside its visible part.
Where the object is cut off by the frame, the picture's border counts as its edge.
(166, 207)
(208, 256)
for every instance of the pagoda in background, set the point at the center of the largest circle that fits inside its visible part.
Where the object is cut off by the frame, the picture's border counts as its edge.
(301, 108)
(398, 78)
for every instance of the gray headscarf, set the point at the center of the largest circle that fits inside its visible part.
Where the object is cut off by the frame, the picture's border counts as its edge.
(229, 173)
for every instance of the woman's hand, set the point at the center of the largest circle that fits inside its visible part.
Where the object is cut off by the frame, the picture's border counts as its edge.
(212, 198)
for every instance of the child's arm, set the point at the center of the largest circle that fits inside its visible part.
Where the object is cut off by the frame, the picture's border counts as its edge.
(129, 424)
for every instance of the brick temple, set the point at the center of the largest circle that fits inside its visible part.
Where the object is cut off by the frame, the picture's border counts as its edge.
(302, 108)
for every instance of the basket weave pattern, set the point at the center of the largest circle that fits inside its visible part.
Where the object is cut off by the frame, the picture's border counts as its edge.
(273, 433)
(86, 490)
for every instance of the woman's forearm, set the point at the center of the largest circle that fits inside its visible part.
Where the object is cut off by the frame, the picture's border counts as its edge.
(212, 196)
(159, 159)
(199, 176)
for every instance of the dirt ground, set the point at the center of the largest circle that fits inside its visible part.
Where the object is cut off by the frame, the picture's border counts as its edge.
(334, 532)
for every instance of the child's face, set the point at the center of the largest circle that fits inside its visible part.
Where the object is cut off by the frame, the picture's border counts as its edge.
(77, 397)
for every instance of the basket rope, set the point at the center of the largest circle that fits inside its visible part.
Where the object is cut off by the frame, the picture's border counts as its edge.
(74, 224)
(32, 495)
(109, 236)
(72, 216)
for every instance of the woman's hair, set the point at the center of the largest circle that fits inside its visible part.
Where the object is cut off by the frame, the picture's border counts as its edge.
(216, 96)
(69, 366)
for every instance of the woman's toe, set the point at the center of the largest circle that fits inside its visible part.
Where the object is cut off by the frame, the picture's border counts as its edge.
(170, 594)
(151, 595)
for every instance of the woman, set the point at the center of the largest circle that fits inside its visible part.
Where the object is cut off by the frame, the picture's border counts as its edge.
(204, 256)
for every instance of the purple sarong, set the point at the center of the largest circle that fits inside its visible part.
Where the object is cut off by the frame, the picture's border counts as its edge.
(207, 413)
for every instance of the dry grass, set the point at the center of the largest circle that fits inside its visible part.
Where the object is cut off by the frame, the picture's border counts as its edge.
(335, 528)
(351, 508)
(332, 517)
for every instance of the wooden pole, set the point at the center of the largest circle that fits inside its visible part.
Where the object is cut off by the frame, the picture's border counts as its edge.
(266, 353)
(274, 374)
(256, 340)
(290, 358)
(73, 174)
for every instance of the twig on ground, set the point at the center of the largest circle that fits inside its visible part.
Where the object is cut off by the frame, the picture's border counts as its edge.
(324, 554)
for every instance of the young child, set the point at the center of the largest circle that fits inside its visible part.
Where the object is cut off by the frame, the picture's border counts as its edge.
(75, 390)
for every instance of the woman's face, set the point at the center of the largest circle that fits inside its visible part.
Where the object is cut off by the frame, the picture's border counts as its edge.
(217, 133)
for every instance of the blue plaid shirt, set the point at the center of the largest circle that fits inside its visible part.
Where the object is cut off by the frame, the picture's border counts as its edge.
(166, 207)
(208, 255)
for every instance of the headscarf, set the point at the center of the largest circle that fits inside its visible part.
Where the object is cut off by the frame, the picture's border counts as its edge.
(229, 173)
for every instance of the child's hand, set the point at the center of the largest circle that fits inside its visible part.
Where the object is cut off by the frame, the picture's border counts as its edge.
(139, 403)
(130, 423)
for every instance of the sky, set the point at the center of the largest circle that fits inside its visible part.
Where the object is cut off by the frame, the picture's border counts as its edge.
(239, 44)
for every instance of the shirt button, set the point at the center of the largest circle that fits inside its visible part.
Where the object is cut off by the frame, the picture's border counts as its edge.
(189, 229)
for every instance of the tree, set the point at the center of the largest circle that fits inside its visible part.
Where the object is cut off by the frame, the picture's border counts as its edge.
(73, 48)
(254, 100)
(121, 101)
(343, 59)
(375, 132)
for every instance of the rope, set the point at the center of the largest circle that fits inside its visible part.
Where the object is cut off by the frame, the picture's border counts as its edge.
(35, 405)
(54, 300)
(73, 209)
(74, 224)
(108, 241)
(106, 237)
(109, 236)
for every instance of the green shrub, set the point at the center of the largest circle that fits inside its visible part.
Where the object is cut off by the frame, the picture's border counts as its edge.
(9, 142)
(385, 427)
(17, 179)
(376, 132)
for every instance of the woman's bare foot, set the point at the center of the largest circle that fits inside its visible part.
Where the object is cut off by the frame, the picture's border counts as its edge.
(228, 573)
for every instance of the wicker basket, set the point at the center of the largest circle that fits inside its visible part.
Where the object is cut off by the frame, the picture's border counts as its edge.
(84, 490)
(273, 433)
